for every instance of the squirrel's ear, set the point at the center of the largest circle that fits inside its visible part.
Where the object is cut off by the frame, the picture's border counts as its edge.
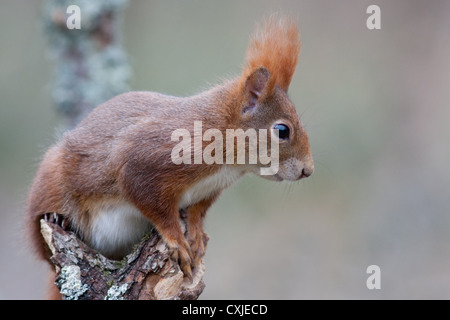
(256, 87)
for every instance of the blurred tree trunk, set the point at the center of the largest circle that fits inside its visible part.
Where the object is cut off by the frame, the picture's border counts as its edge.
(90, 66)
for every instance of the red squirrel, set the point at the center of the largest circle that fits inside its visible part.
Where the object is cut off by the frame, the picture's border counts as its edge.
(112, 178)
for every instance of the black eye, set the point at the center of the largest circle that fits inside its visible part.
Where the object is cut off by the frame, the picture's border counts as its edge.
(283, 131)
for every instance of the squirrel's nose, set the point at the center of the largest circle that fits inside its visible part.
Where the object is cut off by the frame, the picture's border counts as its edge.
(306, 172)
(308, 169)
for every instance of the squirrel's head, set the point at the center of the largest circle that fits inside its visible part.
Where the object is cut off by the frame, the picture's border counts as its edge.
(271, 60)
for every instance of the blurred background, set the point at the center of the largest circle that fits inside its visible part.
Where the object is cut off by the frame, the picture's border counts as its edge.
(376, 105)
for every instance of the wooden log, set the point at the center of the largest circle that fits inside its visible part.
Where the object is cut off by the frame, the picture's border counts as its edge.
(147, 273)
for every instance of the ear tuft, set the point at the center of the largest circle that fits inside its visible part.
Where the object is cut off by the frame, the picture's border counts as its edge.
(275, 46)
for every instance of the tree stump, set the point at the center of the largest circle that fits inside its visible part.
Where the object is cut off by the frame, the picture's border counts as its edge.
(147, 273)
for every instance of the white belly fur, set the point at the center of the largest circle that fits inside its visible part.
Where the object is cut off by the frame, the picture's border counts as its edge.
(224, 178)
(118, 225)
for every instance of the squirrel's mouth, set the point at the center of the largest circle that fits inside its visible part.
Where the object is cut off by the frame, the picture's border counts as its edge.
(274, 177)
(277, 177)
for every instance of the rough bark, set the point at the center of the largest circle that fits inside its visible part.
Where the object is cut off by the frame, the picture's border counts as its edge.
(146, 274)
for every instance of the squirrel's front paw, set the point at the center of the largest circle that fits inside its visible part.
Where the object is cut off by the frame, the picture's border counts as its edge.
(181, 253)
(197, 240)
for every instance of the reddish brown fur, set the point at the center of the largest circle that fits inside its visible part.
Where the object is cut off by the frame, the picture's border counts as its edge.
(275, 46)
(121, 151)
